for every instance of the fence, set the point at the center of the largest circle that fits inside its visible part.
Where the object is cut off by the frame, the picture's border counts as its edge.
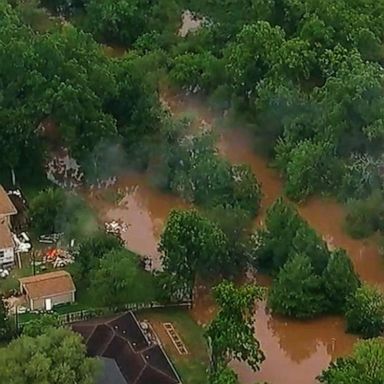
(72, 317)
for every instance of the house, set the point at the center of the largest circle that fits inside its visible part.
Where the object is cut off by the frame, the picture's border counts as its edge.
(7, 245)
(47, 290)
(127, 353)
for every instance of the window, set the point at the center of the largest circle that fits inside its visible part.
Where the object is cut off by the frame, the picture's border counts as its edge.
(2, 254)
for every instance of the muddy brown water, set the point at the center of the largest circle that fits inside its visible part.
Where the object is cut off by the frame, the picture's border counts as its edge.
(296, 352)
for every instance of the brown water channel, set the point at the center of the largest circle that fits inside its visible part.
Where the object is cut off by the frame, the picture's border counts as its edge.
(296, 352)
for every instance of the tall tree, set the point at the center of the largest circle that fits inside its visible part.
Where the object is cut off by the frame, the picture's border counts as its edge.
(340, 280)
(231, 333)
(191, 246)
(56, 357)
(297, 291)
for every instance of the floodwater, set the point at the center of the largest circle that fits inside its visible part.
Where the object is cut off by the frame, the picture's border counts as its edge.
(143, 209)
(296, 352)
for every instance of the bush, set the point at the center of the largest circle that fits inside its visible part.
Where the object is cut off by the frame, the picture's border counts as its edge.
(364, 217)
(365, 312)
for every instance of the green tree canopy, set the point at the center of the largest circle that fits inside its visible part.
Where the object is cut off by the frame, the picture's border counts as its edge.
(56, 357)
(340, 280)
(192, 245)
(365, 312)
(297, 290)
(231, 333)
(118, 279)
(364, 366)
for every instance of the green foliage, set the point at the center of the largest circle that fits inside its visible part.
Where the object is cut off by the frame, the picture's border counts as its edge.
(40, 325)
(365, 216)
(118, 279)
(365, 312)
(56, 357)
(45, 209)
(311, 168)
(53, 211)
(365, 365)
(284, 234)
(231, 333)
(340, 280)
(117, 21)
(297, 291)
(191, 245)
(223, 376)
(5, 327)
(194, 169)
(91, 250)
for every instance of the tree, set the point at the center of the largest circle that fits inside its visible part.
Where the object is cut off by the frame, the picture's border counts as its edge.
(365, 312)
(231, 333)
(340, 280)
(223, 376)
(275, 241)
(192, 245)
(364, 366)
(45, 209)
(312, 167)
(91, 250)
(56, 357)
(40, 325)
(5, 328)
(117, 21)
(297, 290)
(118, 279)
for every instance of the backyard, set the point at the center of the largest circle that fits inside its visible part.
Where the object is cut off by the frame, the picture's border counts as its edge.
(192, 367)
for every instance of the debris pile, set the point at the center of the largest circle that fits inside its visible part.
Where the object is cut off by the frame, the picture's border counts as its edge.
(64, 171)
(115, 228)
(58, 257)
(22, 242)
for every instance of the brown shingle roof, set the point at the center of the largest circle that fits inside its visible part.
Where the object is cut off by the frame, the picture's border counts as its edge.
(6, 240)
(6, 205)
(48, 284)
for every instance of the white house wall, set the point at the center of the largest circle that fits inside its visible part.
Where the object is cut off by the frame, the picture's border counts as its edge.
(9, 256)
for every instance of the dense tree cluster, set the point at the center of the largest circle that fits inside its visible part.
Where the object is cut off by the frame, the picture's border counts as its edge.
(309, 279)
(308, 73)
(193, 168)
(58, 356)
(64, 75)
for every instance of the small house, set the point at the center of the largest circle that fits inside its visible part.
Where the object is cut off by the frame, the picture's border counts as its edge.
(44, 291)
(7, 245)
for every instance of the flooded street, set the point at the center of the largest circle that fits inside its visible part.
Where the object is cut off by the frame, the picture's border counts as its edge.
(296, 352)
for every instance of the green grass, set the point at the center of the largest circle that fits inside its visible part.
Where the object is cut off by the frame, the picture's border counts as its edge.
(192, 367)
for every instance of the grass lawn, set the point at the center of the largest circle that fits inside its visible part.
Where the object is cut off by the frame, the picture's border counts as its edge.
(192, 367)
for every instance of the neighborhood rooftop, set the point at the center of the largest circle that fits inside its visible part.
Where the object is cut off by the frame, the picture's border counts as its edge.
(6, 206)
(121, 339)
(6, 240)
(48, 284)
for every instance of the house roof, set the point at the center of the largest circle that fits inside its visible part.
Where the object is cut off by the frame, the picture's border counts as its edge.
(6, 206)
(6, 240)
(121, 339)
(48, 284)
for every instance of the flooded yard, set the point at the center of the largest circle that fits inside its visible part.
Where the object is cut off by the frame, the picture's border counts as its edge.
(301, 350)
